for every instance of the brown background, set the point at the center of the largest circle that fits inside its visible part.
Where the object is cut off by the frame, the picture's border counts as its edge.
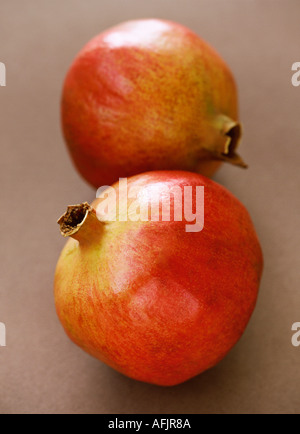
(40, 370)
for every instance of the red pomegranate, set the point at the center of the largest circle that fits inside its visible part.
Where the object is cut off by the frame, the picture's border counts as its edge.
(149, 298)
(149, 95)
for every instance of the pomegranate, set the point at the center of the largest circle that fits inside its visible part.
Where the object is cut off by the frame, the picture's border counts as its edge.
(149, 95)
(151, 299)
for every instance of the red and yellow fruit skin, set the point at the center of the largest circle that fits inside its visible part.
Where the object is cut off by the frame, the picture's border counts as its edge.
(154, 302)
(147, 95)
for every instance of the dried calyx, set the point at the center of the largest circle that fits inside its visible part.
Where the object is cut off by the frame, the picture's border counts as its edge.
(81, 223)
(226, 143)
(73, 218)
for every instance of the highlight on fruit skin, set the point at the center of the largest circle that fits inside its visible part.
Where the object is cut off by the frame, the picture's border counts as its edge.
(149, 95)
(149, 299)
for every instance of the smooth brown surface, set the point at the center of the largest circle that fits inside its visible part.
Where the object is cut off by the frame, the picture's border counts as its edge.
(40, 370)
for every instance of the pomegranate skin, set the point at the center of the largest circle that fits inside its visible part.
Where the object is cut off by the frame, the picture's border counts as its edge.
(149, 95)
(154, 302)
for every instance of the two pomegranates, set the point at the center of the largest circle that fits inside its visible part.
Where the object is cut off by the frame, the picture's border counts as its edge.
(158, 280)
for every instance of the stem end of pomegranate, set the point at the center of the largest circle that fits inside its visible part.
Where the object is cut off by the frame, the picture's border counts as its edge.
(73, 219)
(227, 141)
